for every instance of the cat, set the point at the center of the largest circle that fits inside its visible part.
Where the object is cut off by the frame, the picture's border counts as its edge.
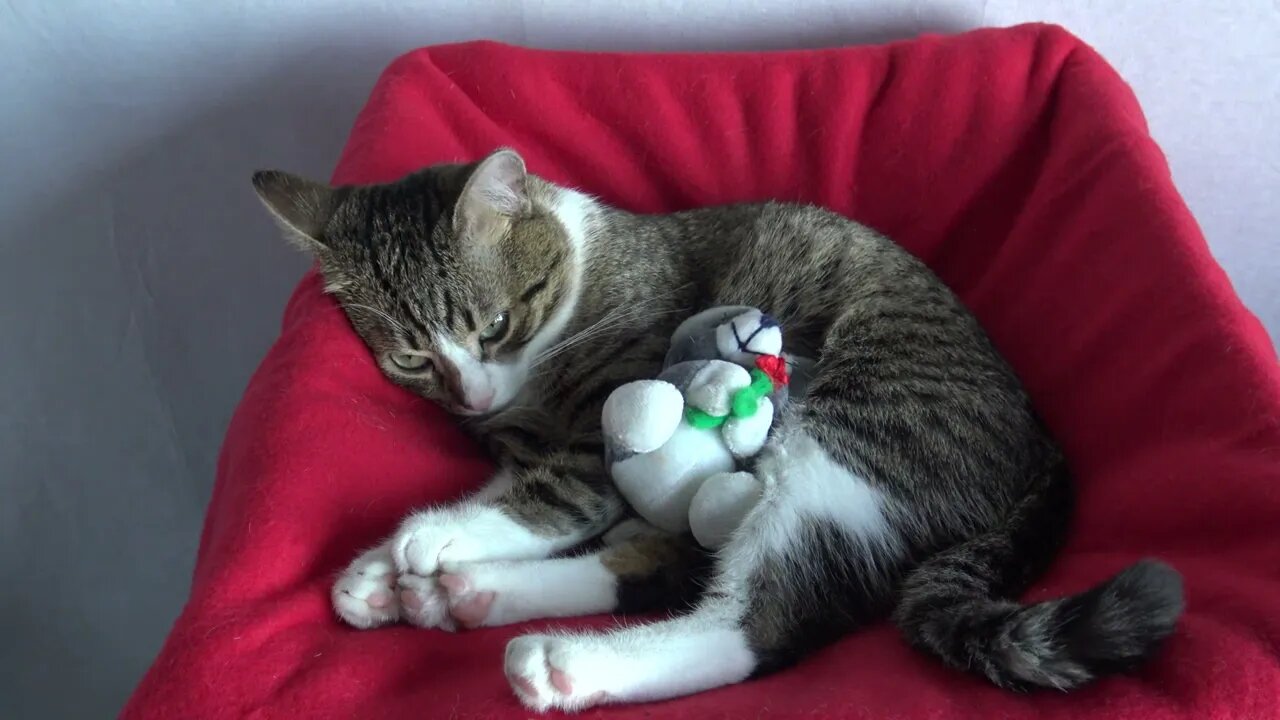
(914, 480)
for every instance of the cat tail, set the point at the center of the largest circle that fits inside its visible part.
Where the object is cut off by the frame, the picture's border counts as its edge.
(955, 605)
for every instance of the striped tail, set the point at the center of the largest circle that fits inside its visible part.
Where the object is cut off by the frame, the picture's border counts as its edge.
(955, 606)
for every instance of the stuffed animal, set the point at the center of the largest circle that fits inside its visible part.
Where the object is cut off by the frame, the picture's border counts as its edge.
(676, 445)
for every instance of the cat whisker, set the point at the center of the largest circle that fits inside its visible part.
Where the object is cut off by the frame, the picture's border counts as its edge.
(612, 319)
(609, 320)
(577, 338)
(390, 320)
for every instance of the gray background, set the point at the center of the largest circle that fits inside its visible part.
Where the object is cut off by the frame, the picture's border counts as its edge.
(140, 283)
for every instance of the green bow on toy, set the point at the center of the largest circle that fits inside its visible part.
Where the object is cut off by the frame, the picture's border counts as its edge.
(745, 403)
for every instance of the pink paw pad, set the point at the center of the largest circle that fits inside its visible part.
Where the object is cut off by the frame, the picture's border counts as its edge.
(470, 610)
(455, 584)
(561, 681)
(410, 600)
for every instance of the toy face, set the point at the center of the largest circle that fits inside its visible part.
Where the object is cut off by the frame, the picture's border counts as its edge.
(747, 336)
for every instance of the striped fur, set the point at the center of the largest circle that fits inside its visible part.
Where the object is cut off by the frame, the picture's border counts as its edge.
(913, 480)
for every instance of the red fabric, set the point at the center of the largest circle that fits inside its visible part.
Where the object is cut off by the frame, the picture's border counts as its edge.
(1015, 162)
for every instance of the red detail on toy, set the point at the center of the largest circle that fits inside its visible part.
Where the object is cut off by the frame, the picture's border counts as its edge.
(775, 366)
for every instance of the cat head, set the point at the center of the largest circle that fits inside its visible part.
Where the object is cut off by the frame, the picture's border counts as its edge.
(455, 276)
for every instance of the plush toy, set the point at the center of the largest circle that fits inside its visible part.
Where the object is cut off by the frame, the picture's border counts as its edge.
(676, 445)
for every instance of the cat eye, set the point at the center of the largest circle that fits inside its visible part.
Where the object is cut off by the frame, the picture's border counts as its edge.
(405, 361)
(495, 329)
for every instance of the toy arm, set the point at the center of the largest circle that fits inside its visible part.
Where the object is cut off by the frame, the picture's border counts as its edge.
(719, 506)
(711, 389)
(640, 416)
(745, 436)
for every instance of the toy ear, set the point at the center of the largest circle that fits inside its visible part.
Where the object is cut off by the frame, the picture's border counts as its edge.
(695, 338)
(706, 321)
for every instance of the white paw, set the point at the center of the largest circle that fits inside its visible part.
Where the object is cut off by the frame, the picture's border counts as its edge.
(423, 602)
(567, 673)
(463, 533)
(364, 595)
(425, 539)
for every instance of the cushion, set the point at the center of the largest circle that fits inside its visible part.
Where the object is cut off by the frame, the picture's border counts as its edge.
(1014, 162)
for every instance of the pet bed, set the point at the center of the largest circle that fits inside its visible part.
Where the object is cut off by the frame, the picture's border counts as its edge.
(1015, 162)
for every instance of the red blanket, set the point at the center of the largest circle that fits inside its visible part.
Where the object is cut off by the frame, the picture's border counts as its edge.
(1015, 162)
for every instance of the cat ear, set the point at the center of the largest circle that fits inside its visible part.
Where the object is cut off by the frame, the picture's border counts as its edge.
(302, 207)
(494, 194)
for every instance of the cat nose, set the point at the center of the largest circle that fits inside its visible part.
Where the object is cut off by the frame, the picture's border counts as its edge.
(471, 398)
(458, 391)
(466, 381)
(480, 403)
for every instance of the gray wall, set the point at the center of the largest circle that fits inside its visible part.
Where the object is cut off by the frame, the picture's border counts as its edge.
(140, 283)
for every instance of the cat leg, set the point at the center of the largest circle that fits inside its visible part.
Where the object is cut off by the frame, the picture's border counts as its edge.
(705, 649)
(528, 514)
(812, 560)
(523, 515)
(639, 570)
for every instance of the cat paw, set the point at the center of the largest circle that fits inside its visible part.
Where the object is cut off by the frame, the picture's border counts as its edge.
(365, 595)
(424, 602)
(462, 533)
(423, 540)
(470, 602)
(549, 672)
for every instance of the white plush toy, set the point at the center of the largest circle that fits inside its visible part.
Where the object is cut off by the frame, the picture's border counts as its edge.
(676, 446)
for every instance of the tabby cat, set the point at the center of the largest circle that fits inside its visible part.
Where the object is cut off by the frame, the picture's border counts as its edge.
(913, 480)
